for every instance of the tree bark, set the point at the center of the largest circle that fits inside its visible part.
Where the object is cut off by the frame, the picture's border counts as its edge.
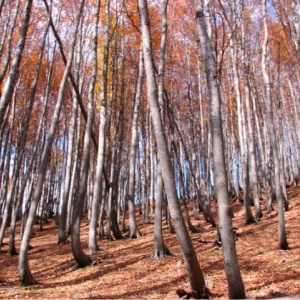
(282, 240)
(194, 272)
(232, 270)
(14, 71)
(93, 247)
(26, 278)
(81, 258)
(133, 229)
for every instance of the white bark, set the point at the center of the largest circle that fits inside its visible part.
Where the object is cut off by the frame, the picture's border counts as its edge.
(282, 241)
(101, 147)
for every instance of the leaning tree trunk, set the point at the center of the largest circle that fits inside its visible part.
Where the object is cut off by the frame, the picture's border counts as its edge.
(25, 275)
(81, 258)
(29, 167)
(160, 249)
(14, 71)
(232, 270)
(282, 240)
(23, 137)
(8, 32)
(6, 194)
(194, 271)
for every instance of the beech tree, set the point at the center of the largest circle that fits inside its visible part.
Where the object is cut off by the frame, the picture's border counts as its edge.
(93, 248)
(160, 249)
(81, 258)
(193, 268)
(133, 230)
(282, 240)
(26, 277)
(83, 138)
(14, 70)
(233, 275)
(23, 136)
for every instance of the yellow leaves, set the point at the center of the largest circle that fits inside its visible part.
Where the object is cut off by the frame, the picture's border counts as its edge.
(247, 15)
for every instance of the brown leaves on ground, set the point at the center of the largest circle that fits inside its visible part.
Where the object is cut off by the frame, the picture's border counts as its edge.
(123, 269)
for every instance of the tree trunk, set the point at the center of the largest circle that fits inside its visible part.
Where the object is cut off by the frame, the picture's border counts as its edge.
(81, 258)
(62, 237)
(243, 143)
(282, 240)
(25, 275)
(14, 71)
(93, 247)
(194, 272)
(133, 230)
(232, 270)
(252, 153)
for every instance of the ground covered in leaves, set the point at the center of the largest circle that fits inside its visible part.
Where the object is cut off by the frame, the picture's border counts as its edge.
(124, 268)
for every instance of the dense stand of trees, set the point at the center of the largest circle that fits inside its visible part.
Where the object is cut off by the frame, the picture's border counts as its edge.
(109, 107)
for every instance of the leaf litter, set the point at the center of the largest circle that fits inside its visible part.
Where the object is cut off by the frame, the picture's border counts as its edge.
(124, 269)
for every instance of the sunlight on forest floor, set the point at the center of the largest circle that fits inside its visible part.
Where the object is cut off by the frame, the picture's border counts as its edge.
(124, 268)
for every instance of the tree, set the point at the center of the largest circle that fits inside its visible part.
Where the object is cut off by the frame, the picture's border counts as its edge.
(81, 258)
(26, 278)
(133, 229)
(23, 136)
(160, 249)
(14, 71)
(194, 272)
(93, 248)
(282, 240)
(232, 270)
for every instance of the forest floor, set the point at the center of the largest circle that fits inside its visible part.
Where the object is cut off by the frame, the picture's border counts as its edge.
(125, 269)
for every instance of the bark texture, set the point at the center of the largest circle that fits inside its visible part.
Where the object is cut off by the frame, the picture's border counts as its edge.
(234, 279)
(194, 271)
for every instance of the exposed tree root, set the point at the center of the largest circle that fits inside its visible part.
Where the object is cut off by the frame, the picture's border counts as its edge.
(162, 253)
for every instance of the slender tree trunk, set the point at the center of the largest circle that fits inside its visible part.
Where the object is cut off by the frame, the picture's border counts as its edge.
(133, 230)
(25, 275)
(243, 143)
(23, 137)
(282, 240)
(232, 270)
(8, 31)
(8, 196)
(62, 237)
(14, 71)
(101, 148)
(252, 153)
(74, 176)
(194, 272)
(81, 258)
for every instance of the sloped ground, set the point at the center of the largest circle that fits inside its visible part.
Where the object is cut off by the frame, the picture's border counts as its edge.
(125, 270)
